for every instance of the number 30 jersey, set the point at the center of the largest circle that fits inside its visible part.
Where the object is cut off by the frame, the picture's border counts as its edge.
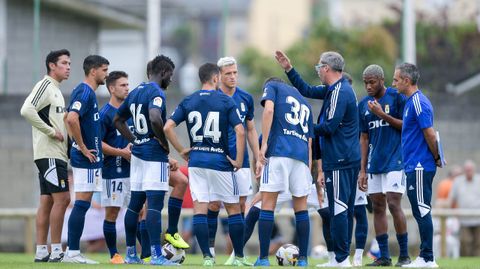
(292, 124)
(208, 114)
(137, 105)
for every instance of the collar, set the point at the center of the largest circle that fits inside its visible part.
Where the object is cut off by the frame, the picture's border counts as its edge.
(54, 81)
(334, 85)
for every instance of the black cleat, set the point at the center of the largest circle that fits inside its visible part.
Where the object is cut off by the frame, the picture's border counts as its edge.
(403, 261)
(382, 261)
(44, 259)
(56, 259)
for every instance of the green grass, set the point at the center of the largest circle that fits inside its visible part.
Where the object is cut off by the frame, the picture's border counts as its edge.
(20, 261)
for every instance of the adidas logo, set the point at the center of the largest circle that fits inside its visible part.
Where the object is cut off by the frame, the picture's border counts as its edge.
(328, 179)
(395, 186)
(411, 188)
(367, 113)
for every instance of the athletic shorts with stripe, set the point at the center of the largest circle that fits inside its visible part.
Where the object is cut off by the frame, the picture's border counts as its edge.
(52, 175)
(116, 192)
(244, 181)
(148, 176)
(87, 180)
(286, 174)
(207, 185)
(393, 181)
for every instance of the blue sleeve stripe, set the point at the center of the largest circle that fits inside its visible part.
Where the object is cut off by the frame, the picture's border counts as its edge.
(85, 93)
(104, 111)
(416, 103)
(333, 103)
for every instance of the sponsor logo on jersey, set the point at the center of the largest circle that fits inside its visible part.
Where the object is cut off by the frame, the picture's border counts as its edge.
(60, 109)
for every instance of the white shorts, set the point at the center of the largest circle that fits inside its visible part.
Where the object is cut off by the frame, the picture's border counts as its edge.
(244, 181)
(207, 185)
(285, 198)
(148, 176)
(360, 197)
(393, 181)
(87, 180)
(286, 174)
(116, 192)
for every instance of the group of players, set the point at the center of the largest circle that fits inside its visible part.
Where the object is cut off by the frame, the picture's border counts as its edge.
(123, 150)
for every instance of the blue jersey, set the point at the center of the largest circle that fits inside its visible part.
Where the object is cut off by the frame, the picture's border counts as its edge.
(245, 106)
(113, 166)
(84, 102)
(208, 115)
(417, 115)
(384, 141)
(137, 105)
(292, 124)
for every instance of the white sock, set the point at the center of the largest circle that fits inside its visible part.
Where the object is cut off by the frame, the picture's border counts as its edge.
(358, 253)
(331, 256)
(72, 253)
(42, 251)
(56, 250)
(212, 251)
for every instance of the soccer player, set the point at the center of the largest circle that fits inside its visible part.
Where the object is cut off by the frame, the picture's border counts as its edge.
(338, 131)
(116, 164)
(44, 110)
(149, 163)
(286, 155)
(380, 116)
(208, 114)
(420, 157)
(244, 101)
(86, 157)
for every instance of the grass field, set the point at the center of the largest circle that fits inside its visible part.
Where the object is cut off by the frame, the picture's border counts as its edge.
(20, 261)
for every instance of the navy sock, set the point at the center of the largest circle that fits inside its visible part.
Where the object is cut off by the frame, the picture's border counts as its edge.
(200, 229)
(154, 216)
(325, 215)
(174, 208)
(403, 243)
(212, 217)
(145, 242)
(252, 218)
(265, 227)
(302, 225)
(361, 227)
(383, 245)
(137, 200)
(236, 228)
(110, 233)
(76, 223)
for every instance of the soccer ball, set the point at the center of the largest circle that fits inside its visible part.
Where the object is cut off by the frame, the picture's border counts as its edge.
(173, 254)
(319, 252)
(287, 255)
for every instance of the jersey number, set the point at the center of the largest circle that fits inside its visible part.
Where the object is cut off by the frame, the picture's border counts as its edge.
(300, 114)
(118, 187)
(211, 128)
(139, 119)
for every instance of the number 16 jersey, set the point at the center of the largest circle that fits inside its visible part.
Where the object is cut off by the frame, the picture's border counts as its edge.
(137, 105)
(208, 114)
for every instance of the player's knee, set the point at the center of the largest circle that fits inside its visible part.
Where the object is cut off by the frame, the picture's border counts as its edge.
(214, 206)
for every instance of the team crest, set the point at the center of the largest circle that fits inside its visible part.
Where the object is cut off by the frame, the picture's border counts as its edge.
(242, 107)
(387, 109)
(62, 183)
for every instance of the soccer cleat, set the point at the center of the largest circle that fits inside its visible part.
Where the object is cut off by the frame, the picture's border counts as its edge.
(208, 261)
(302, 263)
(262, 262)
(176, 240)
(78, 258)
(344, 264)
(59, 258)
(146, 260)
(382, 261)
(133, 259)
(403, 261)
(230, 259)
(161, 260)
(357, 261)
(237, 261)
(42, 259)
(117, 259)
(419, 262)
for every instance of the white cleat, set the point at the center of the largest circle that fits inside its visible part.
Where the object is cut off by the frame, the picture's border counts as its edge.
(78, 258)
(419, 262)
(357, 262)
(344, 264)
